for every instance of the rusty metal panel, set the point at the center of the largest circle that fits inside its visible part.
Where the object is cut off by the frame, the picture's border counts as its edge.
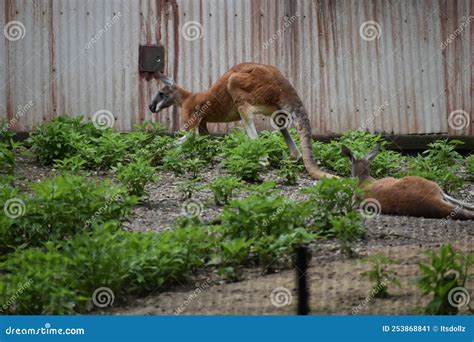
(402, 81)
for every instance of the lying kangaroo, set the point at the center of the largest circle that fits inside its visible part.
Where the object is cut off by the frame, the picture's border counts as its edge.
(407, 196)
(245, 90)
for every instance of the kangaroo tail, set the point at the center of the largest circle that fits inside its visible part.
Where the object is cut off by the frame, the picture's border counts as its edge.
(457, 202)
(462, 214)
(303, 127)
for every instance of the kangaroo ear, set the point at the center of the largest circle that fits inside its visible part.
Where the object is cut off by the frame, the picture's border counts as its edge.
(371, 155)
(345, 151)
(166, 80)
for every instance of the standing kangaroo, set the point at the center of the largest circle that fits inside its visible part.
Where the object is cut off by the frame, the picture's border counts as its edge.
(407, 196)
(242, 92)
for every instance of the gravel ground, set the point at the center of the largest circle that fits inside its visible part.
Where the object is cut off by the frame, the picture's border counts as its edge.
(336, 285)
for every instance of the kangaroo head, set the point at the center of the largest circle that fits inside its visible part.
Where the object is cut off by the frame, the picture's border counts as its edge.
(166, 97)
(360, 167)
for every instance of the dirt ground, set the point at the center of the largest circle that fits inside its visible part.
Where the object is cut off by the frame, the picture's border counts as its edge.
(336, 284)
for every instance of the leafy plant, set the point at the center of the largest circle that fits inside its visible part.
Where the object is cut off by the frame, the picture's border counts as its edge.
(156, 150)
(196, 146)
(7, 159)
(245, 159)
(223, 188)
(136, 175)
(153, 128)
(444, 176)
(188, 187)
(380, 275)
(290, 171)
(347, 229)
(447, 270)
(70, 164)
(386, 163)
(58, 138)
(194, 166)
(62, 277)
(440, 163)
(260, 215)
(105, 151)
(442, 152)
(59, 207)
(275, 147)
(332, 198)
(38, 281)
(470, 165)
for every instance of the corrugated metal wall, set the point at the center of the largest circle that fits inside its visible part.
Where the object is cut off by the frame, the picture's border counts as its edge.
(403, 82)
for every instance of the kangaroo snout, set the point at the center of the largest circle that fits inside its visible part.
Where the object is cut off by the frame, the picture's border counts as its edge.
(152, 107)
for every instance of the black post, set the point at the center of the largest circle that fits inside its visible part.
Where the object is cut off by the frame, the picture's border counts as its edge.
(302, 280)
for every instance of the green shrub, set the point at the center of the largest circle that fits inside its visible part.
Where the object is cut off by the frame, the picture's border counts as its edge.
(156, 150)
(136, 175)
(61, 279)
(332, 198)
(105, 151)
(59, 207)
(290, 170)
(275, 147)
(273, 251)
(38, 281)
(261, 214)
(380, 275)
(440, 163)
(470, 165)
(447, 270)
(188, 187)
(347, 229)
(223, 188)
(70, 164)
(245, 159)
(7, 159)
(386, 163)
(58, 138)
(197, 146)
(442, 152)
(6, 136)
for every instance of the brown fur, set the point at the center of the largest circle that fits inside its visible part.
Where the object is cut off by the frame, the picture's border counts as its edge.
(243, 91)
(407, 196)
